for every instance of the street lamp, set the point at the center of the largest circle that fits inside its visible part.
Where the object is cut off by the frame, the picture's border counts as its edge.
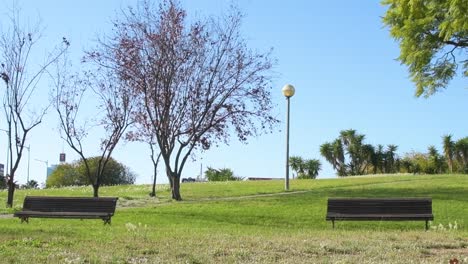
(8, 150)
(288, 92)
(29, 159)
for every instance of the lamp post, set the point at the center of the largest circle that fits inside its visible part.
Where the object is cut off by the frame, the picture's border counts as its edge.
(29, 159)
(8, 150)
(288, 91)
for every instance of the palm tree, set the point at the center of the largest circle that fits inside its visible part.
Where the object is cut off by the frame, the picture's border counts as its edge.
(390, 158)
(334, 153)
(312, 168)
(366, 156)
(449, 146)
(379, 159)
(436, 159)
(297, 165)
(461, 154)
(348, 136)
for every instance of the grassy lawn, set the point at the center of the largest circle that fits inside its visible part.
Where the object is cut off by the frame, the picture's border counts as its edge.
(246, 222)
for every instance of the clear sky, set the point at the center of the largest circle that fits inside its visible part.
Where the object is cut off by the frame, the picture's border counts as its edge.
(337, 54)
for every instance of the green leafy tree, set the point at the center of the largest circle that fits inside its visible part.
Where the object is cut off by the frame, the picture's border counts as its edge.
(65, 175)
(378, 160)
(350, 155)
(31, 184)
(296, 164)
(349, 146)
(311, 170)
(432, 34)
(224, 174)
(436, 160)
(305, 169)
(391, 159)
(449, 148)
(75, 174)
(461, 154)
(114, 173)
(428, 163)
(334, 153)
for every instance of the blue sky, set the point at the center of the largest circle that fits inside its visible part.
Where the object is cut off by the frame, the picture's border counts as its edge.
(337, 54)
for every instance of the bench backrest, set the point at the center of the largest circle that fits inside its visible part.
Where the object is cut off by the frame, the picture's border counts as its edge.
(380, 205)
(70, 204)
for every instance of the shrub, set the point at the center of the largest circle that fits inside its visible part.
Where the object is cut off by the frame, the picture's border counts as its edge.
(221, 175)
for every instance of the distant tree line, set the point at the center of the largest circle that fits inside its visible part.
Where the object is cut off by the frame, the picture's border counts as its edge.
(350, 155)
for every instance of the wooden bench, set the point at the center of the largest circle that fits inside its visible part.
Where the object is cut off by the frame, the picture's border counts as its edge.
(380, 209)
(68, 207)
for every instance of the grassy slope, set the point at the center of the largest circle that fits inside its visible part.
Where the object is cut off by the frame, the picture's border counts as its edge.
(216, 223)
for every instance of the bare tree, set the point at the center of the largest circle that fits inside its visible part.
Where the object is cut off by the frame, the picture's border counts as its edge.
(143, 132)
(114, 105)
(197, 83)
(21, 77)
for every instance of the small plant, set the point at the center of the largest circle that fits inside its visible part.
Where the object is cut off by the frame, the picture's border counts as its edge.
(137, 231)
(441, 227)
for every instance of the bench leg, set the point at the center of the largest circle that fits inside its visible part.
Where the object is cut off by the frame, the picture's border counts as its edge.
(333, 224)
(106, 221)
(427, 225)
(25, 219)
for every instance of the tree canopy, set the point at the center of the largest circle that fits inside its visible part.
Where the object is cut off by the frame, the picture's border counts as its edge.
(224, 174)
(75, 174)
(349, 155)
(196, 81)
(305, 169)
(433, 37)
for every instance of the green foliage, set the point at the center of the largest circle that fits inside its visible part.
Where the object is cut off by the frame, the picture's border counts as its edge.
(75, 174)
(431, 34)
(449, 148)
(461, 155)
(224, 174)
(424, 163)
(349, 155)
(305, 169)
(3, 184)
(66, 175)
(31, 184)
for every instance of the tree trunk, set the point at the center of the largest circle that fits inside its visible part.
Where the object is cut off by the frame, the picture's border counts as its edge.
(11, 192)
(176, 187)
(95, 190)
(153, 192)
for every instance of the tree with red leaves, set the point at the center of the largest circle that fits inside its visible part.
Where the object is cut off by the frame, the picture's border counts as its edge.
(197, 83)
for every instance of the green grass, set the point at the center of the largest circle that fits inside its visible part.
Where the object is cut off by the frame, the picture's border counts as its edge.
(245, 222)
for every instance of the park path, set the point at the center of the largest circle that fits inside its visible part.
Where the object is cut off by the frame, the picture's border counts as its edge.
(248, 196)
